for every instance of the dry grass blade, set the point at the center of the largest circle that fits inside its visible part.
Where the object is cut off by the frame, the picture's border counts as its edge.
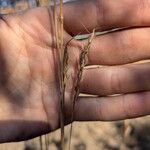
(62, 63)
(126, 133)
(46, 142)
(81, 65)
(62, 86)
(62, 116)
(41, 143)
(40, 138)
(46, 136)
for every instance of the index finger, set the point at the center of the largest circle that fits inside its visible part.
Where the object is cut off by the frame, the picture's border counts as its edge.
(105, 14)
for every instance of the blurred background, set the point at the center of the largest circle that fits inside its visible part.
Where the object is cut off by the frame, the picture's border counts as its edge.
(11, 6)
(87, 135)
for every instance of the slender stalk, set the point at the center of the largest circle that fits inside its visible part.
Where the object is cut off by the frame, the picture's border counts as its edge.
(46, 142)
(41, 143)
(62, 85)
(47, 136)
(56, 25)
(62, 62)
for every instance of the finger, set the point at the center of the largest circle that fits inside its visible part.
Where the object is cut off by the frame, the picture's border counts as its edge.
(120, 47)
(105, 14)
(116, 79)
(113, 108)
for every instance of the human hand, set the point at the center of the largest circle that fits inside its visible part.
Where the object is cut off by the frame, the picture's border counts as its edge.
(29, 95)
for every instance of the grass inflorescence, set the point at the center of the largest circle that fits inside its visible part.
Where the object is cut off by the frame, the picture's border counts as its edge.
(81, 64)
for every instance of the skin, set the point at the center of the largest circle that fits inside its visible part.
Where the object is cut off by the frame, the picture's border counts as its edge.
(29, 93)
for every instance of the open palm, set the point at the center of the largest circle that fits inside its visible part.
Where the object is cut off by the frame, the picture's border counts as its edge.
(29, 89)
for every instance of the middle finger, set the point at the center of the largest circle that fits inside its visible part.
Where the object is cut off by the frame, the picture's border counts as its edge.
(121, 47)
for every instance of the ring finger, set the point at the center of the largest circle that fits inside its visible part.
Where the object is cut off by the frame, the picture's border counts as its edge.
(116, 79)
